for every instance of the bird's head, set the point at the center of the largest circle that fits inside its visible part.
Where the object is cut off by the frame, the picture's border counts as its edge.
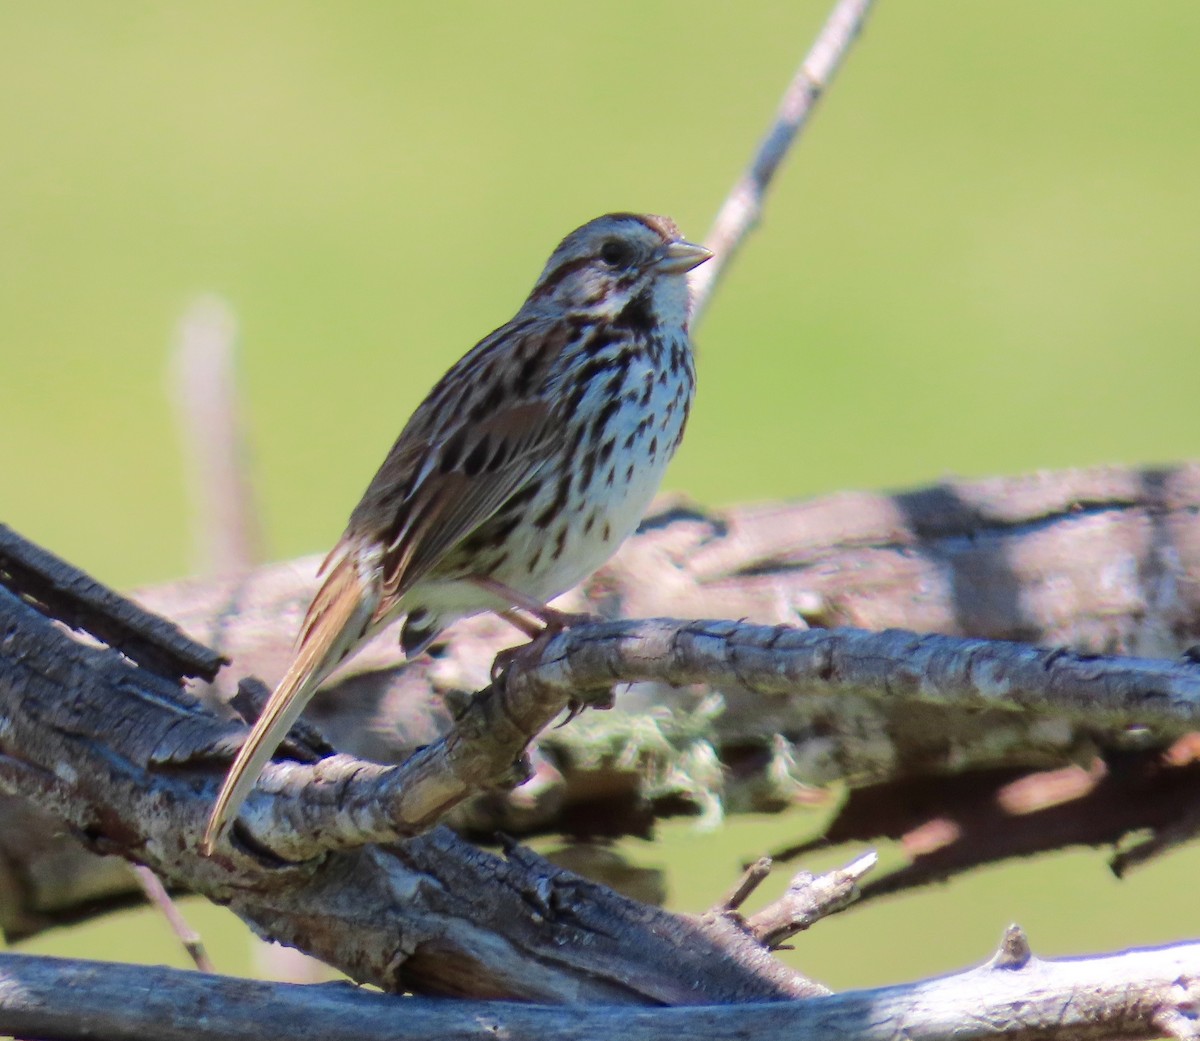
(618, 261)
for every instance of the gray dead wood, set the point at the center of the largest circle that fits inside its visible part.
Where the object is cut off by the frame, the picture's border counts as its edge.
(77, 599)
(124, 758)
(302, 810)
(807, 899)
(1095, 560)
(1137, 994)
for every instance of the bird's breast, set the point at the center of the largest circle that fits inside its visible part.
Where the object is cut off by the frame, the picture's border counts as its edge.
(617, 440)
(623, 417)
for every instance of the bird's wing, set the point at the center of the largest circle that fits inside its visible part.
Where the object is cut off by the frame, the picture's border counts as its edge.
(466, 451)
(481, 435)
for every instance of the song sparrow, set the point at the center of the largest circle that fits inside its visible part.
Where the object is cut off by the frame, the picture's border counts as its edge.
(522, 471)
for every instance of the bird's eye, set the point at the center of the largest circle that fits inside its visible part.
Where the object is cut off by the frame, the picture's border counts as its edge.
(615, 253)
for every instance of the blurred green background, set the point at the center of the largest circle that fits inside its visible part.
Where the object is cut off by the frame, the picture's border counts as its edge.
(983, 258)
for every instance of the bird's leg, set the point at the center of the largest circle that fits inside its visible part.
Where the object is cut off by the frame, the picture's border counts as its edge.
(519, 621)
(552, 620)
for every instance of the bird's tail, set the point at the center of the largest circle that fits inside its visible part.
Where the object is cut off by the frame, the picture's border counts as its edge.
(338, 621)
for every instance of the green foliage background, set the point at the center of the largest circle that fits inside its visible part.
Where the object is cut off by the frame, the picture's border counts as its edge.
(982, 259)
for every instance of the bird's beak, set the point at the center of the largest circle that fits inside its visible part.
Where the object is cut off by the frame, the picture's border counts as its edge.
(682, 256)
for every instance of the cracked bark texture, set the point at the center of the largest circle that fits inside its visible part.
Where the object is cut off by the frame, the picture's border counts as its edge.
(1015, 996)
(1096, 560)
(123, 756)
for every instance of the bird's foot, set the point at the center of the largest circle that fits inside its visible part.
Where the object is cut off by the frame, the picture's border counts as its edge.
(552, 620)
(539, 636)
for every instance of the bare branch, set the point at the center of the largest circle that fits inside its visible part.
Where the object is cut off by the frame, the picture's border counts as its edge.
(130, 762)
(300, 810)
(1122, 997)
(68, 594)
(742, 208)
(751, 879)
(808, 899)
(158, 896)
(1099, 559)
(205, 390)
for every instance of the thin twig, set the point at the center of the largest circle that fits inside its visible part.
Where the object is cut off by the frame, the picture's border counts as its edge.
(225, 528)
(751, 879)
(743, 206)
(808, 899)
(157, 894)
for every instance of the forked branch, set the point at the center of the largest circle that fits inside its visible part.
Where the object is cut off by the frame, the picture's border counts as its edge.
(374, 804)
(129, 761)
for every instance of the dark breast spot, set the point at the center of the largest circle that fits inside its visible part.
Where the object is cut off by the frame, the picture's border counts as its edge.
(647, 389)
(610, 409)
(576, 440)
(557, 504)
(637, 314)
(521, 498)
(587, 471)
(560, 543)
